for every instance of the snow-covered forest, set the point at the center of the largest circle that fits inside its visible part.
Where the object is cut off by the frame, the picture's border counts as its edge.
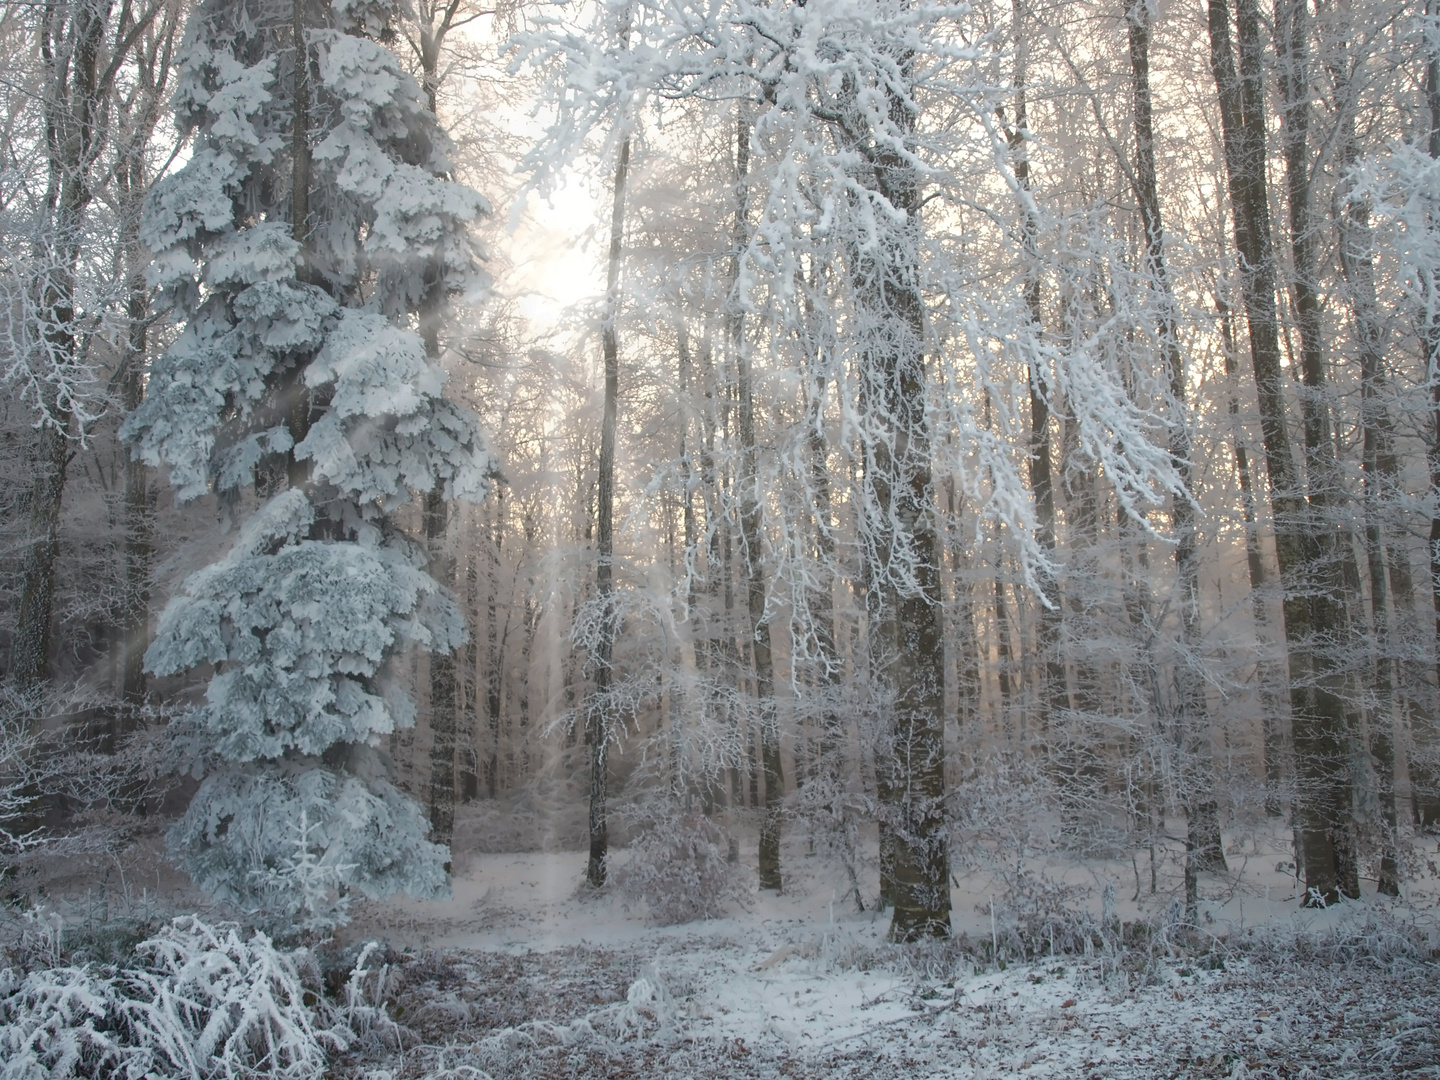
(719, 538)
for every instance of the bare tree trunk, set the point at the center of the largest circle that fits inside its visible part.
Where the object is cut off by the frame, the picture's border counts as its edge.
(1318, 709)
(1333, 574)
(442, 684)
(748, 485)
(140, 115)
(1080, 760)
(1053, 693)
(468, 780)
(598, 718)
(30, 655)
(1004, 655)
(1204, 850)
(139, 497)
(966, 645)
(900, 542)
(1275, 740)
(690, 537)
(71, 43)
(495, 641)
(296, 399)
(822, 602)
(1427, 782)
(1380, 465)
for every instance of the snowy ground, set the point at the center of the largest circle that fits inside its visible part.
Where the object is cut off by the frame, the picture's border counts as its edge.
(522, 973)
(525, 973)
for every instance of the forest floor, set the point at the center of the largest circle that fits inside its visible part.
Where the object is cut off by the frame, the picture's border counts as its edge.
(1060, 967)
(524, 972)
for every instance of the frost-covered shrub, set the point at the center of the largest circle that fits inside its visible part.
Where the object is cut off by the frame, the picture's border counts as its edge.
(1377, 933)
(18, 833)
(197, 1002)
(1040, 917)
(833, 813)
(678, 869)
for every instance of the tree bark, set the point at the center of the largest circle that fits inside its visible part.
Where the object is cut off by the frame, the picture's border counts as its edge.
(1381, 476)
(900, 543)
(598, 719)
(1319, 714)
(1052, 701)
(1427, 800)
(74, 88)
(751, 523)
(467, 782)
(1204, 850)
(435, 518)
(140, 115)
(495, 648)
(1277, 762)
(1333, 575)
(139, 517)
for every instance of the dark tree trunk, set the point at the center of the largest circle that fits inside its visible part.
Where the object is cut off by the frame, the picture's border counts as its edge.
(1333, 574)
(1319, 714)
(1052, 702)
(139, 501)
(1203, 848)
(468, 766)
(751, 526)
(901, 546)
(435, 518)
(1275, 742)
(1380, 466)
(1004, 655)
(73, 92)
(495, 648)
(1426, 781)
(141, 114)
(598, 718)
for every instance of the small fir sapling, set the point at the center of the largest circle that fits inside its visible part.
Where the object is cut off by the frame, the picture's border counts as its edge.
(302, 361)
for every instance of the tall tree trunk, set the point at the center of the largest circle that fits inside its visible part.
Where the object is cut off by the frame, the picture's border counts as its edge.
(1318, 710)
(1427, 804)
(901, 545)
(1004, 657)
(1333, 575)
(30, 656)
(1053, 693)
(1381, 472)
(495, 648)
(748, 484)
(598, 715)
(434, 23)
(468, 767)
(966, 637)
(296, 397)
(690, 537)
(139, 493)
(1203, 848)
(1277, 763)
(1080, 761)
(71, 42)
(822, 600)
(140, 115)
(435, 518)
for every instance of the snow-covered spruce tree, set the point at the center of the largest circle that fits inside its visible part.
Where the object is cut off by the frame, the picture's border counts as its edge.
(303, 244)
